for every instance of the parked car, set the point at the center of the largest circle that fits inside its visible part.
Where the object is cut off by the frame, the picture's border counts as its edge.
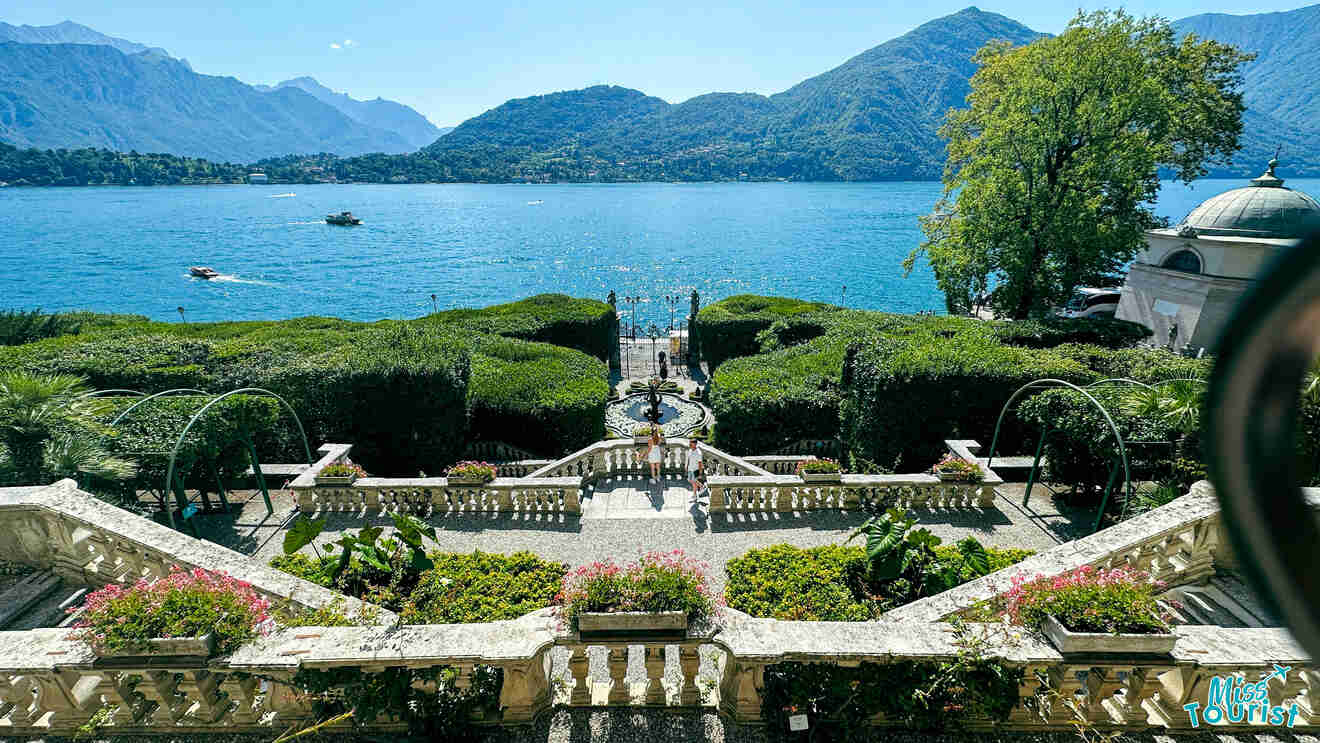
(1088, 301)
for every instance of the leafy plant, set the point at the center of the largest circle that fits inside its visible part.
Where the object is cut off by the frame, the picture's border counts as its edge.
(183, 604)
(427, 700)
(482, 587)
(50, 427)
(904, 562)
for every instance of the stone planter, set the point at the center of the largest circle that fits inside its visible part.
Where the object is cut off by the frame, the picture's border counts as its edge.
(957, 477)
(466, 482)
(603, 625)
(822, 477)
(1068, 642)
(193, 647)
(341, 481)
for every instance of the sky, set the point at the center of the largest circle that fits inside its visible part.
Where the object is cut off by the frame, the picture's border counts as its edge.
(454, 60)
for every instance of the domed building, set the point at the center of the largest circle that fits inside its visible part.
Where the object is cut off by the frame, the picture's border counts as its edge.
(1184, 284)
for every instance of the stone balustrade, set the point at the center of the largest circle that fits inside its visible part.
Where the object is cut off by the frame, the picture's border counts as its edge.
(92, 543)
(433, 496)
(787, 493)
(779, 464)
(50, 684)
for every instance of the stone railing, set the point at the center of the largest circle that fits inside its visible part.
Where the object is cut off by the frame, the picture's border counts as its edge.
(92, 543)
(787, 493)
(1178, 543)
(51, 684)
(779, 464)
(434, 496)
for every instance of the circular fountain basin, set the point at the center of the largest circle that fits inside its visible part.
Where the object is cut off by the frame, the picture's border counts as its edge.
(677, 416)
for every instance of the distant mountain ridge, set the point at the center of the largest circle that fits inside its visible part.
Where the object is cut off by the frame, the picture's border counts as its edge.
(414, 128)
(58, 95)
(80, 95)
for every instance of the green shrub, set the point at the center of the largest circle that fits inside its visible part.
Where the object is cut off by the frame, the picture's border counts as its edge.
(482, 587)
(22, 326)
(728, 328)
(910, 388)
(331, 615)
(586, 325)
(787, 582)
(543, 398)
(318, 570)
(1054, 331)
(829, 583)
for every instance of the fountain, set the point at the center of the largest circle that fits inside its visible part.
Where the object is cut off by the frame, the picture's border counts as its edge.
(674, 415)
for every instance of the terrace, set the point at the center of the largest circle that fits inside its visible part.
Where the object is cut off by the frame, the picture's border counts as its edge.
(594, 504)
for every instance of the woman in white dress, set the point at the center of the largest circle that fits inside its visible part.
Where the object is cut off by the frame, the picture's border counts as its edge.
(655, 454)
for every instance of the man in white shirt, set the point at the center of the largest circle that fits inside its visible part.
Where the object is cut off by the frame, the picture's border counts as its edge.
(693, 464)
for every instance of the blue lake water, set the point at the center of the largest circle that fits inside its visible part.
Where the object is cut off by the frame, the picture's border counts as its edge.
(128, 249)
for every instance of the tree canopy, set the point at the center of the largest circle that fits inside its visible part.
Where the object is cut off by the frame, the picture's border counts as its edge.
(1054, 163)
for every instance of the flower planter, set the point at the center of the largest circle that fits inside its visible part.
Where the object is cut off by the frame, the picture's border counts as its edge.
(822, 477)
(341, 481)
(955, 477)
(466, 482)
(200, 647)
(600, 625)
(642, 440)
(1068, 642)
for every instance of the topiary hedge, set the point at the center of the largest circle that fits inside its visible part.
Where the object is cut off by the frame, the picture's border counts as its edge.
(728, 328)
(587, 325)
(536, 396)
(400, 391)
(482, 587)
(1054, 331)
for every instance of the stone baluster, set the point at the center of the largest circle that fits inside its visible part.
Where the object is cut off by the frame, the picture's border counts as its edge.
(245, 691)
(689, 659)
(572, 501)
(526, 689)
(784, 498)
(162, 687)
(19, 699)
(618, 667)
(741, 689)
(1138, 686)
(1181, 685)
(718, 499)
(1308, 702)
(579, 667)
(655, 675)
(205, 701)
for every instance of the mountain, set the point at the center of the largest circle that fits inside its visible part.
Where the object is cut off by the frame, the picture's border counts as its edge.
(80, 95)
(69, 32)
(872, 118)
(1280, 87)
(378, 113)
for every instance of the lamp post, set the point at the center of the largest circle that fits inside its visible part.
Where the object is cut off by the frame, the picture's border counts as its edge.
(633, 301)
(180, 311)
(653, 331)
(672, 302)
(435, 308)
(843, 296)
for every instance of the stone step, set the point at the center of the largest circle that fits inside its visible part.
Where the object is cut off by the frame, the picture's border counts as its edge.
(25, 594)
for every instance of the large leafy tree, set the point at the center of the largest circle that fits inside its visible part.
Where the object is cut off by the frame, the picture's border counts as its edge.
(1053, 165)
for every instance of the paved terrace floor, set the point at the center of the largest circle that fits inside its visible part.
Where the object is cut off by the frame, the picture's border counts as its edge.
(626, 517)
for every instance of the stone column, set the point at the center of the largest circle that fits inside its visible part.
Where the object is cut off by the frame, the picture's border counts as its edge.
(618, 665)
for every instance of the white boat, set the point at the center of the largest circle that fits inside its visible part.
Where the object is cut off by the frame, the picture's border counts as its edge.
(203, 272)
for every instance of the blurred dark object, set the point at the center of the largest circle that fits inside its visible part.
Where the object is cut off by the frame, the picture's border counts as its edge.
(1264, 353)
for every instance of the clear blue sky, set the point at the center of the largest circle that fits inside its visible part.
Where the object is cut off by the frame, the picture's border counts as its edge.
(454, 59)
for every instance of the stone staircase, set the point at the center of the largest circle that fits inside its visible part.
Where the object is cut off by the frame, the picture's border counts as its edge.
(1224, 601)
(38, 599)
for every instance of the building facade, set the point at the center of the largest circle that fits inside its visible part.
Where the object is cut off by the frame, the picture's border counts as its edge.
(1187, 280)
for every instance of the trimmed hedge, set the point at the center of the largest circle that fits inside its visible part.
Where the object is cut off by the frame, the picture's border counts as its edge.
(1054, 331)
(482, 587)
(822, 584)
(905, 392)
(583, 324)
(728, 328)
(540, 397)
(399, 391)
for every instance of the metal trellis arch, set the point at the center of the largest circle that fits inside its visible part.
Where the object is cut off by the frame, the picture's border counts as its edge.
(1122, 447)
(307, 449)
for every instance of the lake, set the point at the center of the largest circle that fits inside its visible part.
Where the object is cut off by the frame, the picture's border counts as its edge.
(114, 249)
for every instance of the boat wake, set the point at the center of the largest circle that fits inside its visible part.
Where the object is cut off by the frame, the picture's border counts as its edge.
(538, 202)
(281, 195)
(319, 221)
(228, 278)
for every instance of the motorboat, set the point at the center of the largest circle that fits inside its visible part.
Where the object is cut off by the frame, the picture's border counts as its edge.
(343, 218)
(203, 272)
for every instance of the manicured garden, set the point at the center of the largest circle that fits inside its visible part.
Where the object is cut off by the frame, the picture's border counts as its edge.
(410, 395)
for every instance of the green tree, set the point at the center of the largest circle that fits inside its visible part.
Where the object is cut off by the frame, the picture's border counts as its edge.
(1053, 165)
